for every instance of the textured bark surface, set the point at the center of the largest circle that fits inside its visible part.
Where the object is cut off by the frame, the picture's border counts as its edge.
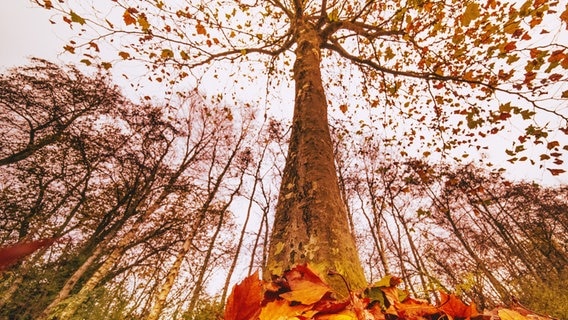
(311, 224)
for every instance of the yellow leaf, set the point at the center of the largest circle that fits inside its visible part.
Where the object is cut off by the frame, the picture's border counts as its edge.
(510, 28)
(471, 13)
(143, 23)
(167, 54)
(69, 48)
(334, 15)
(506, 314)
(344, 315)
(76, 18)
(281, 309)
(389, 54)
(525, 8)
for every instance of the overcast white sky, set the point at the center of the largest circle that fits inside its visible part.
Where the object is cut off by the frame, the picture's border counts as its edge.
(25, 31)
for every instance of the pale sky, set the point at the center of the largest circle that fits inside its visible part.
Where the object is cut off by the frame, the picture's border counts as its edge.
(25, 31)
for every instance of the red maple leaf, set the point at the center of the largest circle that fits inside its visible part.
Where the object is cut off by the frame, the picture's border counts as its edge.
(14, 253)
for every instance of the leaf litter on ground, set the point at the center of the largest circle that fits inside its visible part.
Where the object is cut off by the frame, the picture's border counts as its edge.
(302, 294)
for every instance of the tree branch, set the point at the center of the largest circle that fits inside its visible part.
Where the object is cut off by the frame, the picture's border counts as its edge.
(431, 76)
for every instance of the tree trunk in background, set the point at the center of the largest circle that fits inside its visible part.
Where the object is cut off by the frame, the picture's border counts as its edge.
(240, 242)
(173, 272)
(70, 283)
(311, 224)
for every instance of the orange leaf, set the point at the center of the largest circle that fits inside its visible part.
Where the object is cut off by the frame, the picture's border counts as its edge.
(415, 309)
(564, 16)
(329, 305)
(200, 29)
(343, 315)
(510, 46)
(12, 254)
(343, 108)
(306, 287)
(281, 309)
(244, 301)
(128, 19)
(455, 308)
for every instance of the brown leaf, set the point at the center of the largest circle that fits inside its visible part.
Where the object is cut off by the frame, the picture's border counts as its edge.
(556, 172)
(244, 301)
(124, 55)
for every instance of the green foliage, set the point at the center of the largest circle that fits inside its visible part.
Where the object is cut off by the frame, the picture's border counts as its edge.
(548, 297)
(207, 309)
(105, 303)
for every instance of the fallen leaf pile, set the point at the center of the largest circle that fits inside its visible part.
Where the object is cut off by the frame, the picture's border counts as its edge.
(300, 294)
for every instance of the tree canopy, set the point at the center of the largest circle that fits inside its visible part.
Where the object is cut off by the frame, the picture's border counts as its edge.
(440, 75)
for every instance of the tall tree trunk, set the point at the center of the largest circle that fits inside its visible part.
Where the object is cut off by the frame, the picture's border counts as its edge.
(70, 283)
(311, 224)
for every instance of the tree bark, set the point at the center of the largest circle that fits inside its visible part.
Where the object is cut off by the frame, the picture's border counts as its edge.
(311, 224)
